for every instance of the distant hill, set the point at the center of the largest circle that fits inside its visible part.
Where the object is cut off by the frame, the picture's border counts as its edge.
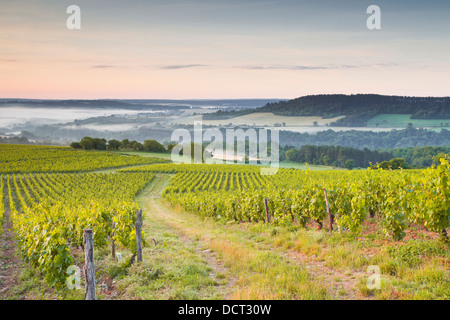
(140, 104)
(106, 104)
(357, 109)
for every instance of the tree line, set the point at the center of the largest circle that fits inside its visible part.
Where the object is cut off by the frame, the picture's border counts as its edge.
(409, 137)
(350, 158)
(336, 156)
(88, 143)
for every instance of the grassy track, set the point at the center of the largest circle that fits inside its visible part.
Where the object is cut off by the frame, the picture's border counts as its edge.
(254, 270)
(173, 267)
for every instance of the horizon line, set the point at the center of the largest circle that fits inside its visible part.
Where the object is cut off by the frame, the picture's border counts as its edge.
(209, 99)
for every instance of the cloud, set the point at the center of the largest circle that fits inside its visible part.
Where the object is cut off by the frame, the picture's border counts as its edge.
(318, 67)
(281, 67)
(182, 66)
(165, 67)
(102, 66)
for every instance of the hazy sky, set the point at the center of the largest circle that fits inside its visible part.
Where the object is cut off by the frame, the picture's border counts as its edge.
(223, 49)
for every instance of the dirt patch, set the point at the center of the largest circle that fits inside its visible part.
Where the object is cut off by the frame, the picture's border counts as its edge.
(220, 272)
(106, 286)
(342, 286)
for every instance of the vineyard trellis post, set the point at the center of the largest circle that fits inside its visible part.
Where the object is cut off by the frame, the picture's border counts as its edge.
(330, 222)
(113, 244)
(267, 210)
(89, 268)
(138, 235)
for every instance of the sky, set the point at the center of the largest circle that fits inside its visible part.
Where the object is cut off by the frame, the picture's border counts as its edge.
(227, 49)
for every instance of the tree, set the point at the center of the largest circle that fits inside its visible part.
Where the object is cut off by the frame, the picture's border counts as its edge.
(99, 144)
(349, 164)
(326, 160)
(76, 145)
(341, 157)
(170, 146)
(438, 157)
(137, 146)
(393, 164)
(292, 155)
(87, 143)
(153, 146)
(125, 144)
(384, 165)
(113, 144)
(397, 163)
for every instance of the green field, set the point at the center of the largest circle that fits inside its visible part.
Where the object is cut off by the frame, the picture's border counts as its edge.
(165, 156)
(402, 120)
(283, 164)
(301, 166)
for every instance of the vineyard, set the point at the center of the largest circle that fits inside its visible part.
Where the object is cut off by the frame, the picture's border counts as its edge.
(50, 196)
(50, 209)
(27, 158)
(50, 212)
(399, 198)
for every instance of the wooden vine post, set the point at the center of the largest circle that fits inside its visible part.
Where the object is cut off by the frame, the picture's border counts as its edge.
(89, 268)
(267, 210)
(113, 244)
(330, 220)
(138, 235)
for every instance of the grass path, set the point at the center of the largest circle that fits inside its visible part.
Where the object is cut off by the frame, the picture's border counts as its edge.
(248, 258)
(173, 267)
